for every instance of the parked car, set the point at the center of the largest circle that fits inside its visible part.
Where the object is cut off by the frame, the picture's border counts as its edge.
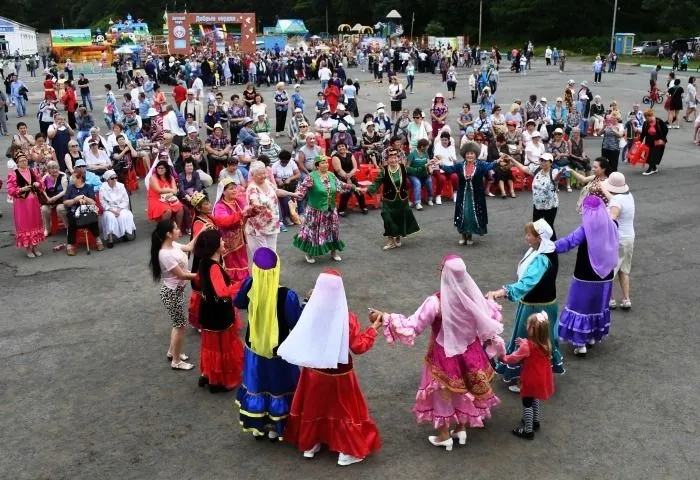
(682, 45)
(648, 47)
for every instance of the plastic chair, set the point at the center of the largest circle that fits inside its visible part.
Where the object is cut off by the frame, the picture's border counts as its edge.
(56, 223)
(83, 236)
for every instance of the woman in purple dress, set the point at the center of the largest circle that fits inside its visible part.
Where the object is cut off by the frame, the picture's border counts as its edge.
(586, 318)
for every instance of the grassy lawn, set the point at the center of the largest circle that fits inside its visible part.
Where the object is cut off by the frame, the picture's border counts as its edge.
(693, 65)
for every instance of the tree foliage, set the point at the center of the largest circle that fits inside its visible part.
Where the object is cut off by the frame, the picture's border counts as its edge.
(503, 20)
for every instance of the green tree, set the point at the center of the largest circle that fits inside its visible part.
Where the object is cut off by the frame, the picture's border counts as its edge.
(434, 29)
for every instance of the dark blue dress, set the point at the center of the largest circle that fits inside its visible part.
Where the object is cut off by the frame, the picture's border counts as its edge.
(265, 395)
(471, 215)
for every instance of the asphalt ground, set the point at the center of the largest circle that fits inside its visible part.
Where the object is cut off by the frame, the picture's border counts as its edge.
(85, 391)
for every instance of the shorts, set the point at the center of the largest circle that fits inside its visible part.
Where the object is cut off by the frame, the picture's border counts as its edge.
(174, 302)
(451, 86)
(625, 251)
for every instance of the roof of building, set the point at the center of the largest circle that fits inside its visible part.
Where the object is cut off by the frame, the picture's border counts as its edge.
(17, 23)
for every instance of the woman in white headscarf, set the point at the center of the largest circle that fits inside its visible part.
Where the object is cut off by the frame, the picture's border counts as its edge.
(117, 220)
(455, 387)
(535, 291)
(328, 406)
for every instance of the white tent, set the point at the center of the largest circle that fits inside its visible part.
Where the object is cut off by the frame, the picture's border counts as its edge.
(393, 15)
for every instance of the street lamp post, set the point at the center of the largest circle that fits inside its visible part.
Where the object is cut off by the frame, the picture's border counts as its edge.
(481, 9)
(612, 36)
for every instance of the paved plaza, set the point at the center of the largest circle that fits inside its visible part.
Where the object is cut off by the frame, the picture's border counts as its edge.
(86, 392)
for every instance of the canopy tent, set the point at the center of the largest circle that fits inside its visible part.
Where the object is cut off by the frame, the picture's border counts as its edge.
(291, 27)
(393, 15)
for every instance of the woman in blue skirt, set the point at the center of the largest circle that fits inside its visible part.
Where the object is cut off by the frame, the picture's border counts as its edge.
(535, 291)
(268, 385)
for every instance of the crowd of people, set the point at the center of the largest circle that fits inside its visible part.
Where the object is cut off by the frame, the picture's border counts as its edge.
(293, 369)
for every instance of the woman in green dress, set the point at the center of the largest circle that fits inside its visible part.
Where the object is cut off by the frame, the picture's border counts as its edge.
(320, 233)
(396, 211)
(471, 216)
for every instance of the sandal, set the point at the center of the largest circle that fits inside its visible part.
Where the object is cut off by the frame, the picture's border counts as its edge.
(183, 357)
(181, 366)
(389, 246)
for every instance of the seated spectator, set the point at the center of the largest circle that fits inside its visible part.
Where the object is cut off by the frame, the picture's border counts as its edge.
(246, 153)
(94, 135)
(140, 143)
(262, 125)
(173, 151)
(97, 160)
(247, 131)
(218, 149)
(294, 124)
(79, 198)
(41, 153)
(286, 174)
(117, 129)
(162, 202)
(117, 220)
(267, 146)
(211, 118)
(189, 183)
(372, 144)
(307, 153)
(55, 185)
(233, 173)
(343, 136)
(123, 163)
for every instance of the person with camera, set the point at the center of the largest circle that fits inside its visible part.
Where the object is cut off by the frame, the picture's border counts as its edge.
(79, 200)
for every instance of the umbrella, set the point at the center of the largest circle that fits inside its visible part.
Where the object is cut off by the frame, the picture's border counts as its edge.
(124, 49)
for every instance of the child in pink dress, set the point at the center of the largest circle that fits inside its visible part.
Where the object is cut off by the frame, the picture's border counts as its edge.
(536, 379)
(455, 387)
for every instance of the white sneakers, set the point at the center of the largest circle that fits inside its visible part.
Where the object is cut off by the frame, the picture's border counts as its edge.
(344, 459)
(419, 206)
(515, 388)
(430, 203)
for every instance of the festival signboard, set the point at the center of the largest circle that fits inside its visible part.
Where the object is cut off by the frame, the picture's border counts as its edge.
(75, 37)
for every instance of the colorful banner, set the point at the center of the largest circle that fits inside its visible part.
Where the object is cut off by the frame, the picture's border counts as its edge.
(444, 42)
(77, 37)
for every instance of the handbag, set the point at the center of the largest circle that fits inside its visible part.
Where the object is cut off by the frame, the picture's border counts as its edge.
(402, 95)
(85, 215)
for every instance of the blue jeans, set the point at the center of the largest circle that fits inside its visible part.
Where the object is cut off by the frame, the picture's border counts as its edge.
(417, 183)
(86, 99)
(21, 106)
(324, 84)
(82, 135)
(583, 124)
(410, 82)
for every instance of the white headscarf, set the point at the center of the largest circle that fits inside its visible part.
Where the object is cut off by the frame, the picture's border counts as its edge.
(321, 337)
(546, 245)
(152, 171)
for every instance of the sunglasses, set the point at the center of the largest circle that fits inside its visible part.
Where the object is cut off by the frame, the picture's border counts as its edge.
(112, 178)
(416, 118)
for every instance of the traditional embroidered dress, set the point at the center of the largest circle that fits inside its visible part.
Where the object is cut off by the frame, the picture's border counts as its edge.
(29, 227)
(471, 215)
(535, 291)
(455, 386)
(265, 396)
(396, 211)
(320, 233)
(229, 220)
(328, 406)
(586, 317)
(221, 351)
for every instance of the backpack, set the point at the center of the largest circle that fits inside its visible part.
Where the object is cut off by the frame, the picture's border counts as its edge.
(180, 119)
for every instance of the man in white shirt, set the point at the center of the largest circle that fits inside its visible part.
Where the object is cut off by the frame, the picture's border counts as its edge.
(324, 75)
(198, 87)
(533, 152)
(548, 56)
(193, 106)
(621, 207)
(170, 125)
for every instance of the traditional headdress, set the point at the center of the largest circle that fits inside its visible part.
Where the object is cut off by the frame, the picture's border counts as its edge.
(197, 199)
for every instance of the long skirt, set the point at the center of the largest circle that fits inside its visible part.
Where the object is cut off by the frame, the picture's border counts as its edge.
(320, 233)
(398, 219)
(265, 395)
(193, 308)
(330, 409)
(455, 390)
(29, 226)
(586, 317)
(117, 226)
(523, 311)
(221, 357)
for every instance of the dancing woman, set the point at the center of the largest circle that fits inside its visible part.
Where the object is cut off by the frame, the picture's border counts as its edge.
(265, 396)
(535, 291)
(328, 406)
(586, 317)
(169, 264)
(455, 386)
(396, 211)
(221, 351)
(471, 215)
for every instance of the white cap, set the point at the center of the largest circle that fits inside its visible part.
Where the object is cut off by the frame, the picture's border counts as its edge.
(264, 138)
(191, 129)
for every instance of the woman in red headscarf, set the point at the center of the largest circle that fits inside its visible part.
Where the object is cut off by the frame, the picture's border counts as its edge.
(455, 387)
(328, 406)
